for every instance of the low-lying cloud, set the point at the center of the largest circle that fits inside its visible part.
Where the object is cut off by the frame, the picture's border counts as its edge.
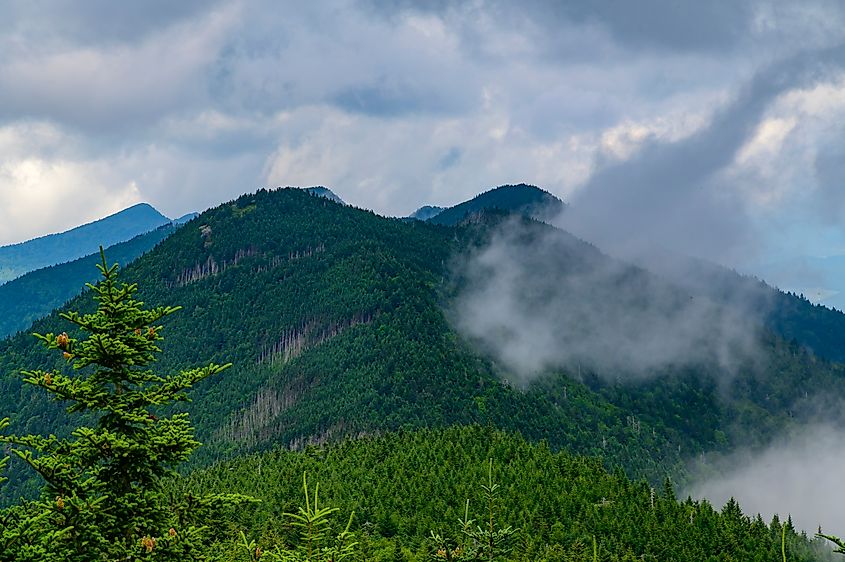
(799, 476)
(537, 298)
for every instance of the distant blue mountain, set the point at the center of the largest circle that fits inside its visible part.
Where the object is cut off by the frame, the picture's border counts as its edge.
(18, 259)
(185, 218)
(321, 191)
(35, 294)
(427, 212)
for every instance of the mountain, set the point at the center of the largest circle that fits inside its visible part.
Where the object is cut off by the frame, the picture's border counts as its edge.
(521, 198)
(325, 193)
(340, 323)
(34, 294)
(426, 212)
(17, 259)
(344, 324)
(185, 218)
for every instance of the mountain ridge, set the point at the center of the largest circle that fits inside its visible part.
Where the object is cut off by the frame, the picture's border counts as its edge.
(426, 212)
(35, 293)
(17, 259)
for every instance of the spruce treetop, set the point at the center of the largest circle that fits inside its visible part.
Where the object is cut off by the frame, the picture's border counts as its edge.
(103, 495)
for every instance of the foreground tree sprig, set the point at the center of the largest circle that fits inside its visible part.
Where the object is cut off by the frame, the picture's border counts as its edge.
(317, 543)
(102, 497)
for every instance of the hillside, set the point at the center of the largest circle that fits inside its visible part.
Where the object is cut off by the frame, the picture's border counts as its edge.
(817, 277)
(521, 198)
(402, 487)
(338, 323)
(33, 295)
(17, 259)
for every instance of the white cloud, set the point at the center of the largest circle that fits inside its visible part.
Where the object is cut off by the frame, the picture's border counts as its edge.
(39, 196)
(622, 141)
(821, 100)
(392, 107)
(396, 167)
(768, 140)
(800, 476)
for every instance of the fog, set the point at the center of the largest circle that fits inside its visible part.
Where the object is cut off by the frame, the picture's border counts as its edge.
(799, 475)
(537, 298)
(670, 203)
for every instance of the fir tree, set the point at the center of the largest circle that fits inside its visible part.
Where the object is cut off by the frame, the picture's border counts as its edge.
(103, 495)
(317, 542)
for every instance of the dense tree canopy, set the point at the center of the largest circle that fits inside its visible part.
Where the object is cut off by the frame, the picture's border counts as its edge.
(404, 487)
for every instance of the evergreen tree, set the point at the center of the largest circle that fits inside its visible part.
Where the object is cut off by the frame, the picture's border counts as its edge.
(316, 540)
(103, 496)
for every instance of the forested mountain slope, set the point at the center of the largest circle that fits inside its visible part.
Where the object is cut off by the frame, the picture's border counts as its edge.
(17, 259)
(34, 294)
(402, 487)
(792, 317)
(338, 323)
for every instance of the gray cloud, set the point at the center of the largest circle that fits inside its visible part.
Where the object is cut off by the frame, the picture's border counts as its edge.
(663, 23)
(95, 21)
(389, 99)
(450, 158)
(830, 176)
(650, 24)
(370, 97)
(107, 89)
(670, 194)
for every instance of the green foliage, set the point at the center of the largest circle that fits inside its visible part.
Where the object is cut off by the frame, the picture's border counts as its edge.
(103, 497)
(837, 542)
(4, 423)
(483, 541)
(402, 486)
(316, 543)
(337, 322)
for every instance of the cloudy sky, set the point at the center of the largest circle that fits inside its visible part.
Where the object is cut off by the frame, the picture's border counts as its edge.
(721, 123)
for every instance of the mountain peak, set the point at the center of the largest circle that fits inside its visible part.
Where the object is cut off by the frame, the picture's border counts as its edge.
(426, 212)
(519, 198)
(17, 259)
